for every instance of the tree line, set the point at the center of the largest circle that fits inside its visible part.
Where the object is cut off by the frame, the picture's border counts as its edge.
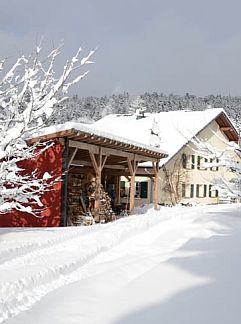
(89, 109)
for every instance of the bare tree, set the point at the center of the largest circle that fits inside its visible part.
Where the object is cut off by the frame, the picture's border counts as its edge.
(173, 179)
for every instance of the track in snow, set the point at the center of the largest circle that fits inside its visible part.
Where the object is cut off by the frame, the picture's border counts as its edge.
(35, 269)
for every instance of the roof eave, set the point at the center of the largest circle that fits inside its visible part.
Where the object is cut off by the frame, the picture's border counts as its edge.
(100, 140)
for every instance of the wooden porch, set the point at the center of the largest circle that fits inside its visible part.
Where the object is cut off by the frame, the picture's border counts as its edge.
(85, 152)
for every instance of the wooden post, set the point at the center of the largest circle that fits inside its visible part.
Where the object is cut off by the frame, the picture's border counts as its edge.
(132, 164)
(156, 178)
(64, 184)
(117, 190)
(97, 194)
(98, 165)
(132, 193)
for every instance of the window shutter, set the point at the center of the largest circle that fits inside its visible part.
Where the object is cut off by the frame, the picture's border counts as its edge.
(210, 191)
(184, 161)
(193, 161)
(202, 161)
(211, 161)
(197, 191)
(205, 191)
(205, 161)
(199, 162)
(192, 191)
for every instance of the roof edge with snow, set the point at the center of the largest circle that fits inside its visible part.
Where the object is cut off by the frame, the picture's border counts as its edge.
(89, 135)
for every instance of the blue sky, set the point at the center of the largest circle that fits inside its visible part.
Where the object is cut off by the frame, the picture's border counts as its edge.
(167, 46)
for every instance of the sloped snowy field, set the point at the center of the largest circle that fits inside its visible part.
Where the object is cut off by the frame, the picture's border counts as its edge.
(176, 265)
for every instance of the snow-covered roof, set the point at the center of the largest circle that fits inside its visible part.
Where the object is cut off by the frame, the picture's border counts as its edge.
(90, 130)
(175, 128)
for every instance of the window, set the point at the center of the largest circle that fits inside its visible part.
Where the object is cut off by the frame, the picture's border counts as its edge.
(122, 185)
(188, 161)
(201, 190)
(187, 190)
(122, 189)
(214, 168)
(200, 163)
(141, 189)
(212, 192)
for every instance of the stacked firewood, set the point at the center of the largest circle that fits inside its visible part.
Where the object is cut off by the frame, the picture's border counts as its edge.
(90, 194)
(81, 202)
(80, 219)
(106, 213)
(78, 214)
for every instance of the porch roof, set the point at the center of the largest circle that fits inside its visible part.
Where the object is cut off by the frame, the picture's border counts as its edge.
(84, 139)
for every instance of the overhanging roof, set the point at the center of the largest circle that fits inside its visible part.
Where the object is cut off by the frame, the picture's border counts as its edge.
(82, 140)
(96, 138)
(227, 127)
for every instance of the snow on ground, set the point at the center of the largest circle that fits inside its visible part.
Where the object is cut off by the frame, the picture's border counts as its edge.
(175, 265)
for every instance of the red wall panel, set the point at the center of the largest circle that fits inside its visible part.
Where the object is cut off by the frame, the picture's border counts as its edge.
(49, 161)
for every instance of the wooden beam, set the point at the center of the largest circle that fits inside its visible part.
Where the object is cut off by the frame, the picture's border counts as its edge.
(61, 135)
(94, 162)
(133, 165)
(130, 166)
(223, 128)
(84, 146)
(105, 166)
(72, 156)
(103, 161)
(109, 151)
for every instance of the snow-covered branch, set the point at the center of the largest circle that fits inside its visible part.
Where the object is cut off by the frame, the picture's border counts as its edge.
(29, 94)
(227, 157)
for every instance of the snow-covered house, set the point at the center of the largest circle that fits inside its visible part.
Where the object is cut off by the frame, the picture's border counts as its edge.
(183, 175)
